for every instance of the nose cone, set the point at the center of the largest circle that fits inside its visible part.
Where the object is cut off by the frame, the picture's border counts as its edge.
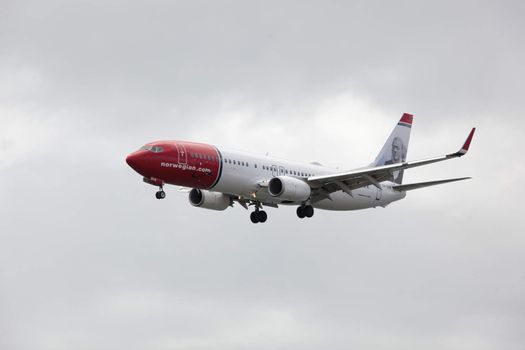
(132, 160)
(137, 161)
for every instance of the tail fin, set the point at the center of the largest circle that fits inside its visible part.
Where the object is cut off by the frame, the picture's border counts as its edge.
(396, 146)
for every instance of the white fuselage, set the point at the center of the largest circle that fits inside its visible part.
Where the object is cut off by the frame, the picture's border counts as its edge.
(243, 173)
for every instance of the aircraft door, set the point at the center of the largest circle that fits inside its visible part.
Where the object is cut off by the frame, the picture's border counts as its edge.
(181, 150)
(274, 170)
(379, 194)
(281, 171)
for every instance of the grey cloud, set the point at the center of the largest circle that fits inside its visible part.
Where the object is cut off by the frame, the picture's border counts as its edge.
(89, 259)
(164, 55)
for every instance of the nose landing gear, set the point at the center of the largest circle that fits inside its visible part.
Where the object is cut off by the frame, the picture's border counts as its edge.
(160, 194)
(305, 211)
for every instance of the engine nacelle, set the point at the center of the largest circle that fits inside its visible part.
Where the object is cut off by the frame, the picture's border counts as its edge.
(289, 188)
(209, 200)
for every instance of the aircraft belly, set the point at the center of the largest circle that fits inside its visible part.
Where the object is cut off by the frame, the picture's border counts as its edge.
(362, 199)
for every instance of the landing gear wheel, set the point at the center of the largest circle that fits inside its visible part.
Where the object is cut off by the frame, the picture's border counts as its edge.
(258, 216)
(262, 216)
(160, 194)
(309, 211)
(254, 217)
(300, 212)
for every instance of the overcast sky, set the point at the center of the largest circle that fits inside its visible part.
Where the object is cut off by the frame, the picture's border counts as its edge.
(89, 259)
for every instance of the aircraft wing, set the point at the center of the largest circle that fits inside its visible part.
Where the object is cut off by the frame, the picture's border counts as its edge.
(418, 185)
(350, 180)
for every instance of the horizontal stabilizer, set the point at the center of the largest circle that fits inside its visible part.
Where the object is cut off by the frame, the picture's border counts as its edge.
(409, 187)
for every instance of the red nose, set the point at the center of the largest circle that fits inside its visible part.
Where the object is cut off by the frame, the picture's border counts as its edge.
(137, 160)
(131, 159)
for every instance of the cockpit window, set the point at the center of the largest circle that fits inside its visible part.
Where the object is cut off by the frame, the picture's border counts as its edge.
(155, 149)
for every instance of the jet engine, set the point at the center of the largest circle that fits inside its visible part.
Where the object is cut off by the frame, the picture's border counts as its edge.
(289, 188)
(209, 200)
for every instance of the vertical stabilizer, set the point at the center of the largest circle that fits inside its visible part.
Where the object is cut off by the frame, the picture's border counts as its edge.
(396, 146)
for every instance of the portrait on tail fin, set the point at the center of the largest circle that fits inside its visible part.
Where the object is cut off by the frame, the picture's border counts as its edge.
(399, 154)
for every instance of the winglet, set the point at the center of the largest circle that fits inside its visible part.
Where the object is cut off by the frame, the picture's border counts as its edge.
(466, 145)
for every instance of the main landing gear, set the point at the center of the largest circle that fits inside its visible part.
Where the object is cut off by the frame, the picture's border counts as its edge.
(305, 211)
(258, 215)
(160, 194)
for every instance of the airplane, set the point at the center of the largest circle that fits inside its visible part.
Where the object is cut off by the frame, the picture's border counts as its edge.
(218, 178)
